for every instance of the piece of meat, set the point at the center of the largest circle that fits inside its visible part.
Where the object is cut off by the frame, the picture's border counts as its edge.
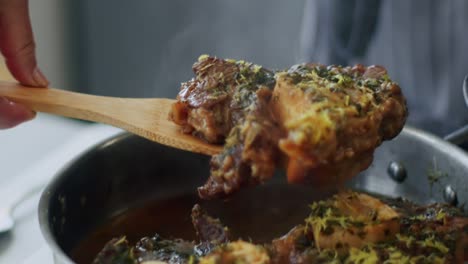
(421, 239)
(146, 251)
(321, 123)
(156, 248)
(250, 155)
(219, 96)
(351, 219)
(228, 101)
(437, 229)
(425, 234)
(297, 246)
(116, 251)
(335, 117)
(237, 252)
(208, 229)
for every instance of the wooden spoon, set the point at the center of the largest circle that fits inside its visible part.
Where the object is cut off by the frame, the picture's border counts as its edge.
(145, 117)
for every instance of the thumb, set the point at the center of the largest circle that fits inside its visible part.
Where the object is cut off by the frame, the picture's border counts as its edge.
(17, 43)
(12, 114)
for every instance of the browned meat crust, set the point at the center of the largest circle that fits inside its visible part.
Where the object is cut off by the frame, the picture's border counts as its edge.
(219, 97)
(250, 154)
(321, 123)
(228, 100)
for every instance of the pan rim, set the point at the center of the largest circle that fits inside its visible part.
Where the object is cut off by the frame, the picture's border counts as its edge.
(45, 198)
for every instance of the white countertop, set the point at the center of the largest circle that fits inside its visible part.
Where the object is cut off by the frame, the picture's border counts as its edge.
(31, 154)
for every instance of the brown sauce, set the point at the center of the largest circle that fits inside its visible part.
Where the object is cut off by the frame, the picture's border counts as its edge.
(258, 214)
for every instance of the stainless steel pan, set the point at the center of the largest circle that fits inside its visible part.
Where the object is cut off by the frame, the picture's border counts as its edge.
(126, 171)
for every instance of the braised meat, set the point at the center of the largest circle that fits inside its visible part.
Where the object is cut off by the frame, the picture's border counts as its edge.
(334, 118)
(350, 227)
(220, 96)
(321, 123)
(227, 102)
(116, 251)
(208, 229)
(237, 252)
(347, 229)
(210, 232)
(174, 251)
(351, 220)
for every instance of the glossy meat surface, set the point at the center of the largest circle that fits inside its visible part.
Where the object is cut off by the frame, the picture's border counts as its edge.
(320, 123)
(220, 96)
(227, 102)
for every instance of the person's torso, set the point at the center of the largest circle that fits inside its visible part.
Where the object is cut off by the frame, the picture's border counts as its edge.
(422, 43)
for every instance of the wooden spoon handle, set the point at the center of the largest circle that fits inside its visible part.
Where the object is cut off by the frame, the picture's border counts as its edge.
(59, 102)
(145, 117)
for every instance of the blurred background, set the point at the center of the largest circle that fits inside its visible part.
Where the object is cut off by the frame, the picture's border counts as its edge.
(146, 48)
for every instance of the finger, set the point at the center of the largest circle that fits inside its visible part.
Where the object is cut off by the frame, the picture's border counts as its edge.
(17, 43)
(12, 114)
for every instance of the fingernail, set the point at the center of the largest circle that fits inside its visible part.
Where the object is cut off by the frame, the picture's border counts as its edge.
(39, 78)
(31, 115)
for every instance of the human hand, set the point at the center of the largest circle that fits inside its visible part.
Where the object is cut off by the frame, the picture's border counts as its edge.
(18, 47)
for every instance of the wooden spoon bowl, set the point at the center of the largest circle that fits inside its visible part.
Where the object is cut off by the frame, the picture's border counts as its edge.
(146, 117)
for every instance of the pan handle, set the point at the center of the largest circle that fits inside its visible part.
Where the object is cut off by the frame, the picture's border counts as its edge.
(460, 136)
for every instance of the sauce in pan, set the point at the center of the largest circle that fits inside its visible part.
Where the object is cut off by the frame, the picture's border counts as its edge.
(259, 214)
